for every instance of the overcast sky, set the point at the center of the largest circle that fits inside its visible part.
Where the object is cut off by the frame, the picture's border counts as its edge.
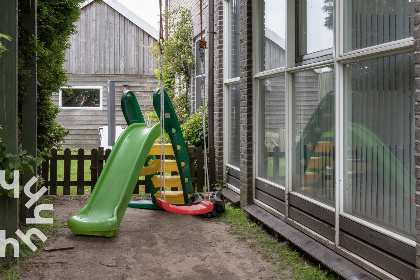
(148, 10)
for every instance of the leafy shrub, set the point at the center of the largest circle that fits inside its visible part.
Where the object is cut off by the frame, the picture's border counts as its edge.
(192, 128)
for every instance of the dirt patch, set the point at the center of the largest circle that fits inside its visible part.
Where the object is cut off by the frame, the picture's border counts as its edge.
(149, 245)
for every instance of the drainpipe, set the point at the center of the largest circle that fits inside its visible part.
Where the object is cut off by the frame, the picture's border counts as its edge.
(166, 23)
(210, 98)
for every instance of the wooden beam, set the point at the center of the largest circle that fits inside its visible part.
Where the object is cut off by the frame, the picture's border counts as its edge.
(8, 104)
(29, 102)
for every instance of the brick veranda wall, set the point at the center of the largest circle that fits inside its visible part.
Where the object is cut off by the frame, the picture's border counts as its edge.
(246, 150)
(218, 87)
(417, 127)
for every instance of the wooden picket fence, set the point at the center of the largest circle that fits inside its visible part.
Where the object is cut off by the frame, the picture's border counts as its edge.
(97, 160)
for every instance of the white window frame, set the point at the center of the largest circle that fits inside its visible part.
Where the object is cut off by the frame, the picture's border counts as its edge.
(339, 61)
(60, 98)
(227, 82)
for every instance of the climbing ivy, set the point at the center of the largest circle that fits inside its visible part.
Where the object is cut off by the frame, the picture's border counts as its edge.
(178, 59)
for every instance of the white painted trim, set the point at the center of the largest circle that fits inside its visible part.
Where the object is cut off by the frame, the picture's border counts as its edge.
(233, 188)
(395, 47)
(270, 183)
(269, 73)
(269, 209)
(380, 229)
(339, 142)
(313, 201)
(123, 10)
(310, 66)
(232, 81)
(232, 167)
(101, 99)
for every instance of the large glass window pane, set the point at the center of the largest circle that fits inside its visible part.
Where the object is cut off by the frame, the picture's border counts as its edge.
(315, 27)
(273, 27)
(380, 185)
(369, 23)
(233, 39)
(233, 150)
(271, 130)
(313, 154)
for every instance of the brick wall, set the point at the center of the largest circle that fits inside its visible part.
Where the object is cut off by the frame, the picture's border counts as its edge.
(246, 148)
(218, 87)
(417, 127)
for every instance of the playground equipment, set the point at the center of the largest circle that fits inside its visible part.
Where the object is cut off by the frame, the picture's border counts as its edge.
(132, 155)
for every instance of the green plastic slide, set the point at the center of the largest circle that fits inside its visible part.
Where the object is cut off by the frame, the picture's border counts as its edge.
(106, 206)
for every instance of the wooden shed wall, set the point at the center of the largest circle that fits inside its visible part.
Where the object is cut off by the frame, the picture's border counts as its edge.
(107, 46)
(109, 43)
(83, 124)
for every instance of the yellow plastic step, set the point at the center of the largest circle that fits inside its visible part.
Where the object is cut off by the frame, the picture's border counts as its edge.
(154, 166)
(316, 163)
(320, 162)
(323, 147)
(173, 197)
(155, 150)
(170, 181)
(310, 178)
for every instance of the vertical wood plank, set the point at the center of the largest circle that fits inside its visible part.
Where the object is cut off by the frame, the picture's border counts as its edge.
(101, 158)
(141, 48)
(146, 185)
(200, 170)
(80, 172)
(93, 168)
(53, 172)
(192, 158)
(67, 171)
(112, 16)
(45, 168)
(107, 153)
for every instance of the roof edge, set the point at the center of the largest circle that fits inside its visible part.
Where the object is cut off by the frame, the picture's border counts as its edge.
(129, 15)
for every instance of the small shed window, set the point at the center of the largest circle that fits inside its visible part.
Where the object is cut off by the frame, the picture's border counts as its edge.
(81, 97)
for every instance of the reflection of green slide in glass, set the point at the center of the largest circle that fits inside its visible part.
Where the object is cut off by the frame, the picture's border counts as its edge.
(382, 160)
(106, 206)
(321, 121)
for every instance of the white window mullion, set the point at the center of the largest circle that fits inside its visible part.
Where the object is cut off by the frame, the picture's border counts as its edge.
(339, 116)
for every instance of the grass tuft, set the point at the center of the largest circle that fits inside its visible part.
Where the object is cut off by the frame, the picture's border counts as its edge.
(279, 253)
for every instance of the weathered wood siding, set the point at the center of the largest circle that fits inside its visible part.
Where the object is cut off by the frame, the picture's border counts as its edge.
(109, 43)
(107, 46)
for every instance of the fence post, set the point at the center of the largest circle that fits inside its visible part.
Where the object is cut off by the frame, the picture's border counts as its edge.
(80, 172)
(276, 166)
(191, 154)
(200, 169)
(53, 172)
(93, 168)
(45, 168)
(100, 160)
(67, 167)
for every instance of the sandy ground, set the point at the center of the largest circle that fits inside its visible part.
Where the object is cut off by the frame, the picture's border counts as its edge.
(149, 245)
